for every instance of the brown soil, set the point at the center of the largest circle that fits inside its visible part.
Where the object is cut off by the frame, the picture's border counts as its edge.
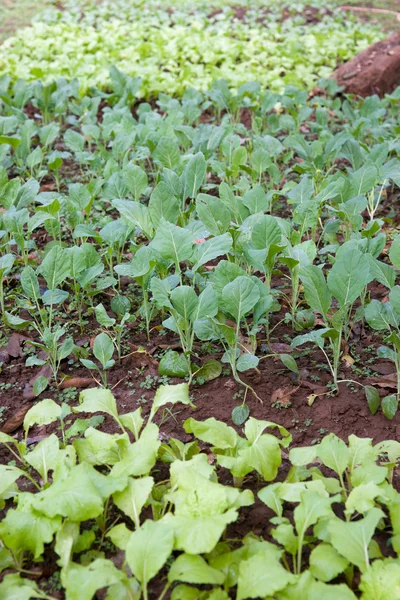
(376, 70)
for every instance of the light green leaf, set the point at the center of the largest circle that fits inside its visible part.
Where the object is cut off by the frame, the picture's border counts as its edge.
(260, 576)
(191, 568)
(44, 457)
(103, 349)
(316, 291)
(173, 242)
(81, 582)
(326, 563)
(28, 529)
(334, 453)
(55, 267)
(211, 249)
(381, 581)
(148, 549)
(351, 540)
(193, 175)
(97, 400)
(163, 205)
(133, 498)
(213, 432)
(348, 276)
(135, 179)
(170, 394)
(239, 297)
(42, 413)
(75, 497)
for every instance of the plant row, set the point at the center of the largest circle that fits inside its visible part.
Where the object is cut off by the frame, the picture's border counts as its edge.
(86, 494)
(169, 48)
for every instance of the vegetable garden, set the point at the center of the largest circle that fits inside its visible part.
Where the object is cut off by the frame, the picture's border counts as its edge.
(200, 307)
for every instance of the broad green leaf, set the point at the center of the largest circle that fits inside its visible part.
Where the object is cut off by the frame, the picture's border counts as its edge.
(55, 267)
(173, 242)
(373, 398)
(133, 421)
(163, 205)
(381, 581)
(213, 214)
(81, 582)
(239, 297)
(66, 538)
(135, 179)
(42, 413)
(97, 400)
(103, 348)
(14, 587)
(212, 432)
(191, 568)
(394, 297)
(394, 252)
(256, 200)
(266, 232)
(270, 496)
(389, 406)
(351, 540)
(334, 453)
(246, 361)
(185, 301)
(120, 535)
(75, 497)
(45, 455)
(380, 315)
(316, 337)
(102, 317)
(311, 509)
(326, 563)
(136, 215)
(209, 370)
(148, 549)
(302, 456)
(6, 264)
(362, 498)
(173, 364)
(28, 529)
(193, 175)
(140, 457)
(30, 284)
(211, 249)
(289, 362)
(170, 394)
(167, 152)
(316, 291)
(382, 272)
(240, 414)
(257, 580)
(348, 276)
(133, 498)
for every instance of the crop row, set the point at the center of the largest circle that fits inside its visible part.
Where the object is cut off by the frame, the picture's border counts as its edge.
(102, 493)
(170, 49)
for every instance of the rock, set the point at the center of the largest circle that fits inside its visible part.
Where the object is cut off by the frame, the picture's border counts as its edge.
(376, 70)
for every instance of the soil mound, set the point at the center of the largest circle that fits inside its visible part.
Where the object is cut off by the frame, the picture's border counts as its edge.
(376, 70)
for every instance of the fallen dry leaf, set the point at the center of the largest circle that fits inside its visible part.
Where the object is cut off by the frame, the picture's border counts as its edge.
(76, 382)
(15, 421)
(283, 394)
(311, 399)
(279, 348)
(14, 345)
(388, 381)
(348, 360)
